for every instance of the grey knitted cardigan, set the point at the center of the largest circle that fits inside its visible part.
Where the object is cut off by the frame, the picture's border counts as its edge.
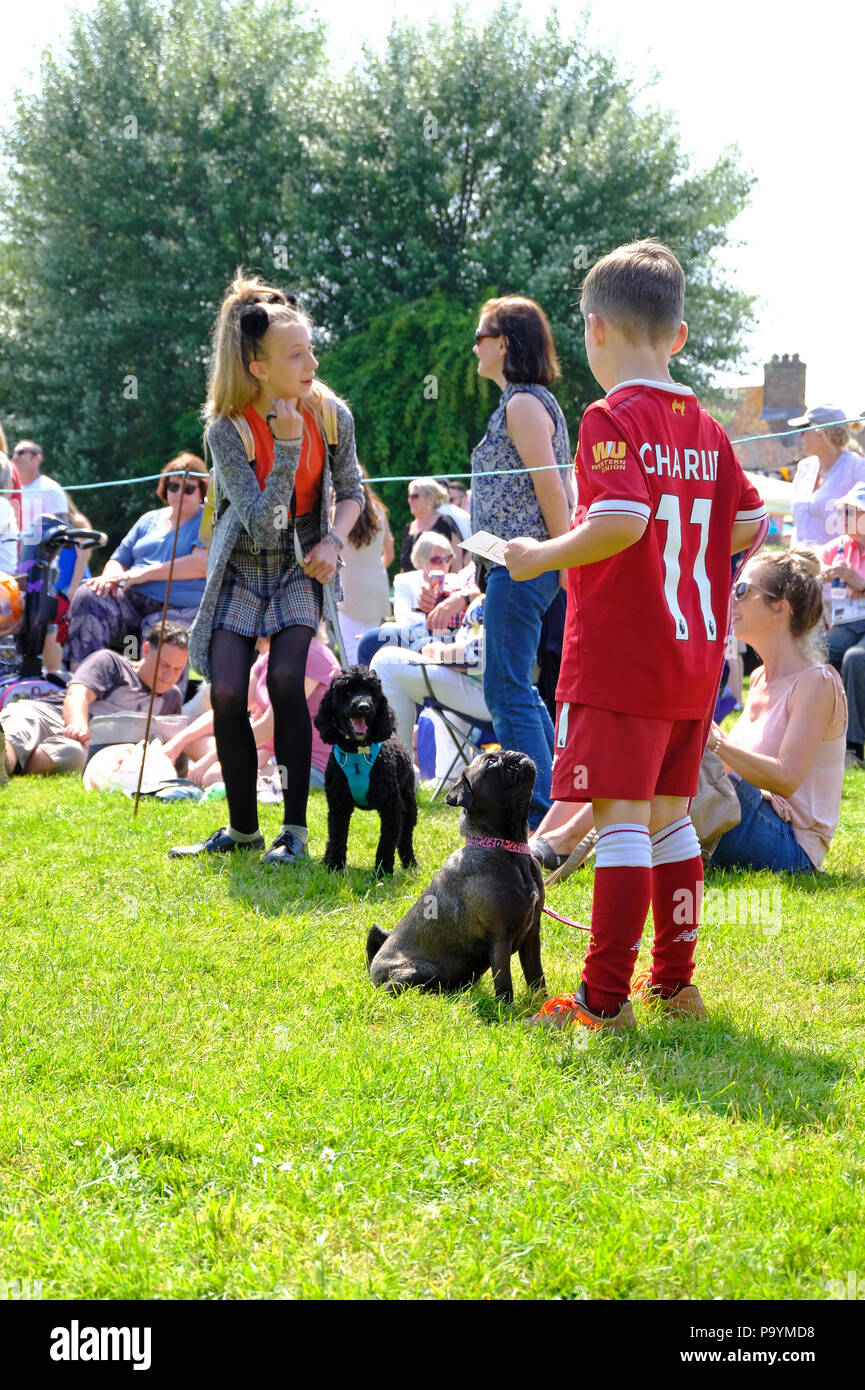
(262, 511)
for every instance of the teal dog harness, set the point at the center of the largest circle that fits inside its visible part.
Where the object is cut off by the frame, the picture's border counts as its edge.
(357, 767)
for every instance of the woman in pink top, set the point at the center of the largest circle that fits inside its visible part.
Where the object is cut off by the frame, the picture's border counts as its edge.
(786, 751)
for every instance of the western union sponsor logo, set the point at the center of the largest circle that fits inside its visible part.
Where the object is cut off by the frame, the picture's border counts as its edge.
(609, 449)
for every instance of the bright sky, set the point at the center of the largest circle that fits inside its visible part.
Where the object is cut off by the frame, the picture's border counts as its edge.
(785, 83)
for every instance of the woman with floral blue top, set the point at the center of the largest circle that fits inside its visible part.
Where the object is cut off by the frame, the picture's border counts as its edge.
(520, 486)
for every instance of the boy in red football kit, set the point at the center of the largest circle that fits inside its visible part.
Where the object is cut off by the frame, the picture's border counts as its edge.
(662, 505)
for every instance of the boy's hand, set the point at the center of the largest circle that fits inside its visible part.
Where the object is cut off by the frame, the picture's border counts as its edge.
(524, 558)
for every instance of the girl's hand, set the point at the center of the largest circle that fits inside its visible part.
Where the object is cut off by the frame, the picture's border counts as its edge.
(288, 423)
(523, 558)
(320, 562)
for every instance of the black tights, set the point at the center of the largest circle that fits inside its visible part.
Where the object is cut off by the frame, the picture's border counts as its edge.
(231, 658)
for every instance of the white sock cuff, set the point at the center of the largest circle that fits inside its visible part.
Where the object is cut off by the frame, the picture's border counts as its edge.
(239, 838)
(623, 846)
(675, 843)
(301, 831)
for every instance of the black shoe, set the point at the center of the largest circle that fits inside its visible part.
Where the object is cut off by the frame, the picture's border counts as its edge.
(287, 848)
(543, 851)
(219, 843)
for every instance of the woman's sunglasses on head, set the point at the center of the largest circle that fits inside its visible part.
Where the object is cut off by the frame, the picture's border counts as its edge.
(187, 490)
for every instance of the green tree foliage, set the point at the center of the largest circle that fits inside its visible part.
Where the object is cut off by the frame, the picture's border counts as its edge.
(419, 404)
(172, 140)
(465, 156)
(165, 147)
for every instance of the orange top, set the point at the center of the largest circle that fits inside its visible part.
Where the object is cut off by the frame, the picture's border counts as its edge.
(307, 480)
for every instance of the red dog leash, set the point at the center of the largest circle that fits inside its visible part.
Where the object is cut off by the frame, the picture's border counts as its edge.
(491, 842)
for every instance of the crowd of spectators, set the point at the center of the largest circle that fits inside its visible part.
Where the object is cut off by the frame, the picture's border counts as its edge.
(462, 633)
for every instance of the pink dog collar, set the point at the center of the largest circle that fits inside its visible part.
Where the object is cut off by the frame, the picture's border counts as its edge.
(490, 842)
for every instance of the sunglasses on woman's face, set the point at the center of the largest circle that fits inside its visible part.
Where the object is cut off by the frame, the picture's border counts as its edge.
(413, 496)
(741, 589)
(187, 490)
(479, 335)
(439, 559)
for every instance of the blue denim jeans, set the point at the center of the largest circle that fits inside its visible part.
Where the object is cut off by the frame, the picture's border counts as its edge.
(761, 840)
(371, 642)
(512, 629)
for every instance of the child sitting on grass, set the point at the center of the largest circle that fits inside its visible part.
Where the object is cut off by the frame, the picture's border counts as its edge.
(662, 505)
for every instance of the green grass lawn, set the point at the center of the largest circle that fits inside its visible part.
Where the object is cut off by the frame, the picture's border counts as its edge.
(203, 1097)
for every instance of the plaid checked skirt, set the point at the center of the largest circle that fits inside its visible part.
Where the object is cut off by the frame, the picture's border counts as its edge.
(264, 591)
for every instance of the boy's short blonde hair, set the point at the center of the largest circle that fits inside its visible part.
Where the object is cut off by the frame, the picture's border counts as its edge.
(639, 288)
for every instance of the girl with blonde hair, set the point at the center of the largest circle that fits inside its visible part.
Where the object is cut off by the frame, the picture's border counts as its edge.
(264, 401)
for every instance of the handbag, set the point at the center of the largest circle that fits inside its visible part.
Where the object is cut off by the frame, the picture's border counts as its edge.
(715, 809)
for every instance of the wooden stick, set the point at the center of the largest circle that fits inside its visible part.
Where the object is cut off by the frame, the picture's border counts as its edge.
(159, 646)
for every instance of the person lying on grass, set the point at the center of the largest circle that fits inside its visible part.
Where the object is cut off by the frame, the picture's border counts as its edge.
(52, 734)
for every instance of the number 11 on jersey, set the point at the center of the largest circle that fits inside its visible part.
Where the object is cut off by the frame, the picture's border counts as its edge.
(669, 510)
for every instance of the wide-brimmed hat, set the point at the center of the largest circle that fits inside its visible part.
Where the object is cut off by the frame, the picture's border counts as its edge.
(821, 415)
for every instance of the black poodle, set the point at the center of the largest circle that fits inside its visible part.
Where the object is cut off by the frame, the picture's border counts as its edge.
(368, 767)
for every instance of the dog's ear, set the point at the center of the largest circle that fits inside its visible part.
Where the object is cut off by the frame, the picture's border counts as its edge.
(324, 721)
(383, 722)
(460, 794)
(376, 938)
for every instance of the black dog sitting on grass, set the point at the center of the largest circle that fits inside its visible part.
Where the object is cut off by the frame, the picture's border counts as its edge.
(485, 901)
(369, 768)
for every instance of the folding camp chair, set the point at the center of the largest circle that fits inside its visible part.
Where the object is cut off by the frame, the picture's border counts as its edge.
(467, 745)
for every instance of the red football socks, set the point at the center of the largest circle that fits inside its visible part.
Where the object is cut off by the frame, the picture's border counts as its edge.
(677, 894)
(620, 902)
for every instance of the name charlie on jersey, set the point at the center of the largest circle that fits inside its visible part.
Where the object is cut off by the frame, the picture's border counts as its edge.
(694, 465)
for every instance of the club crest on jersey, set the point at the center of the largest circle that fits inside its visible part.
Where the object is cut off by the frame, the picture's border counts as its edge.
(608, 449)
(680, 406)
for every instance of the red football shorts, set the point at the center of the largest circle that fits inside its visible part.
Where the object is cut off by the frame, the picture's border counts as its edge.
(602, 755)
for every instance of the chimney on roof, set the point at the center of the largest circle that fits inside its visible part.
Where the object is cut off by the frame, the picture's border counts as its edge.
(783, 394)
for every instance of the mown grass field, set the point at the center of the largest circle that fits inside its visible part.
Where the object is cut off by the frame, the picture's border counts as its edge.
(202, 1096)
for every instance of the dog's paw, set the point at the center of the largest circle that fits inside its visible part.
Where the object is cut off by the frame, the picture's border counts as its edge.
(334, 866)
(383, 870)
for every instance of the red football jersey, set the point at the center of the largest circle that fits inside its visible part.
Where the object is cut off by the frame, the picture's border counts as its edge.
(646, 629)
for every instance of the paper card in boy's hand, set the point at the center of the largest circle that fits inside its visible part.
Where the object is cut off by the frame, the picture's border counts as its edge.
(488, 546)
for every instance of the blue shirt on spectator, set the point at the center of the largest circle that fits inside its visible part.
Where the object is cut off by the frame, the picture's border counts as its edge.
(148, 544)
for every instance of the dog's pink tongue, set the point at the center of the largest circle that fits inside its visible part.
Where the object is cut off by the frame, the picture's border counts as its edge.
(359, 726)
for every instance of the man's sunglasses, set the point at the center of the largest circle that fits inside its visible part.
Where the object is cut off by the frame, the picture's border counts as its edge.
(741, 589)
(16, 453)
(187, 490)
